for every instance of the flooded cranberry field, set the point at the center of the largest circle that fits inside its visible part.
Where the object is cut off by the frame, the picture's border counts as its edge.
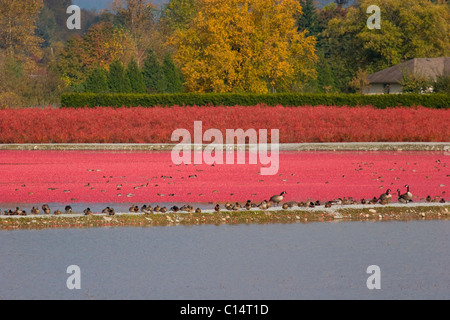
(81, 178)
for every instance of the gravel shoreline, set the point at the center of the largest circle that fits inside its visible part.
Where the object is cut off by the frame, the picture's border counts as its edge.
(393, 212)
(345, 146)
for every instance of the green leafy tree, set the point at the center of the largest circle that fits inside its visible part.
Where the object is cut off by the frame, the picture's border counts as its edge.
(409, 29)
(415, 83)
(97, 81)
(173, 77)
(153, 74)
(117, 80)
(136, 78)
(442, 84)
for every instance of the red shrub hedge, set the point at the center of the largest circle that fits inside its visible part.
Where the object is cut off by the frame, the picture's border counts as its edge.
(155, 125)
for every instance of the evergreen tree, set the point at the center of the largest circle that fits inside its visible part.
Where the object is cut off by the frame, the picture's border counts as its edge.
(173, 79)
(153, 74)
(309, 19)
(325, 80)
(134, 74)
(117, 79)
(97, 82)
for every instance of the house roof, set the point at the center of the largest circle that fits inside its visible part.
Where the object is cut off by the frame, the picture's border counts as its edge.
(427, 67)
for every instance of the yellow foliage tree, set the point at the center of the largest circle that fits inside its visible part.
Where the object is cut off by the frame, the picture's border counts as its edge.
(17, 29)
(244, 46)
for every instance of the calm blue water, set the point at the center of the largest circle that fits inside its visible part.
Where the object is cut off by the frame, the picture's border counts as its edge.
(294, 261)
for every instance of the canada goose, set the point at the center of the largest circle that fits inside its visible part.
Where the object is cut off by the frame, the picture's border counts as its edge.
(87, 212)
(401, 197)
(111, 212)
(68, 209)
(278, 198)
(217, 208)
(408, 194)
(385, 197)
(428, 199)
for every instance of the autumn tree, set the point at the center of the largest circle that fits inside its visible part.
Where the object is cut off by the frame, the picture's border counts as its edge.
(359, 82)
(244, 45)
(139, 17)
(99, 47)
(17, 28)
(177, 14)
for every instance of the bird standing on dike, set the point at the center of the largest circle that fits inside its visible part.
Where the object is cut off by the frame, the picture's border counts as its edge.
(385, 197)
(278, 198)
(408, 194)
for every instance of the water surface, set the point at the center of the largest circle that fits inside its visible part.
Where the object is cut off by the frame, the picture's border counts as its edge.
(276, 261)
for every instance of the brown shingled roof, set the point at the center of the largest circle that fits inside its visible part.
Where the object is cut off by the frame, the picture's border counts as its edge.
(428, 67)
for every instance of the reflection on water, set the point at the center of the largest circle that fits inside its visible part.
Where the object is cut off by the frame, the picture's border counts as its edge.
(294, 261)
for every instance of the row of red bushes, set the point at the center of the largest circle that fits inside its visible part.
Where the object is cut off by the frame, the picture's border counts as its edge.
(155, 125)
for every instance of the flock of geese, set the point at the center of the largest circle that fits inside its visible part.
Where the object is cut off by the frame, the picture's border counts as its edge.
(384, 199)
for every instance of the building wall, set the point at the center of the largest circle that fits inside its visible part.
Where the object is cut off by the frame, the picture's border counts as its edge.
(379, 88)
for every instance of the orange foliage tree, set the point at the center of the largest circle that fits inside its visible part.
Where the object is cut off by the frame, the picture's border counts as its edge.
(244, 46)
